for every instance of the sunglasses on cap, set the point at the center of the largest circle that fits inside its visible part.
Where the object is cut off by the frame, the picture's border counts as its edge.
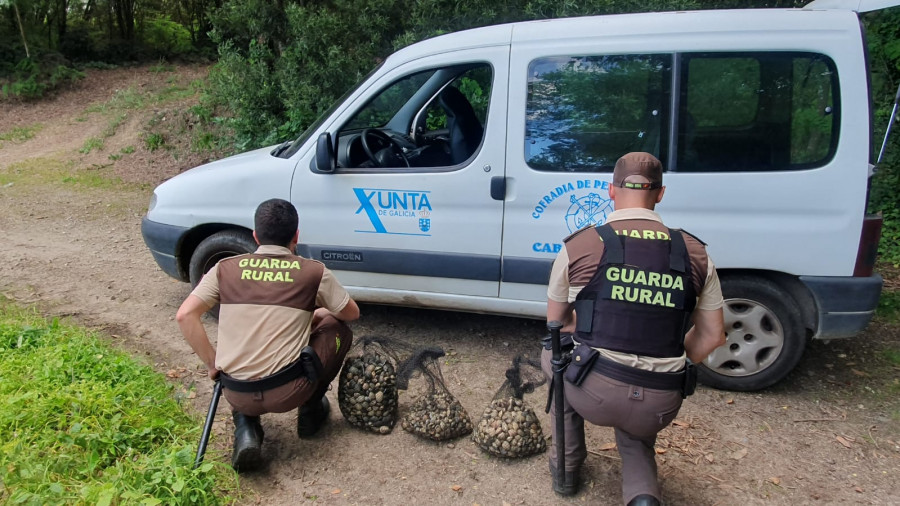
(641, 186)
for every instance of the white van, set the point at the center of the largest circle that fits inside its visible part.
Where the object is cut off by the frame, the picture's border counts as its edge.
(449, 177)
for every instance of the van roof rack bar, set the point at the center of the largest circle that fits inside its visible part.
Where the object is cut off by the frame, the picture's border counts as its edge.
(852, 5)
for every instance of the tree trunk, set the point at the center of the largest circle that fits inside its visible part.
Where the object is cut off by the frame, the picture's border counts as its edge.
(120, 21)
(125, 18)
(62, 18)
(21, 29)
(109, 19)
(88, 12)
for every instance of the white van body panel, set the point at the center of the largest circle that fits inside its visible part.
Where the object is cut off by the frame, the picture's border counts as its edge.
(224, 191)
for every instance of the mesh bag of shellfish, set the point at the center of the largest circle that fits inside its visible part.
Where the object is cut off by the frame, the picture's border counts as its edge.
(367, 387)
(509, 427)
(436, 414)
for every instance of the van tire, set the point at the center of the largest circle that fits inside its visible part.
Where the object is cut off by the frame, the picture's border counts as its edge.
(218, 246)
(765, 337)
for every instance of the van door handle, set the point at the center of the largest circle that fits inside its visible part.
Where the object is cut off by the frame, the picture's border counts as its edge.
(498, 188)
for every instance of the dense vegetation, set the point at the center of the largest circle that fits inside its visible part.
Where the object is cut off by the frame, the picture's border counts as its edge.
(281, 63)
(85, 424)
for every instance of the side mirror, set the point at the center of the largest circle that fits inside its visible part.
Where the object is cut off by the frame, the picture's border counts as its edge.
(326, 161)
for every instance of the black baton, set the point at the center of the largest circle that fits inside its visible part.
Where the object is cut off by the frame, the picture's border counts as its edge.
(207, 428)
(558, 366)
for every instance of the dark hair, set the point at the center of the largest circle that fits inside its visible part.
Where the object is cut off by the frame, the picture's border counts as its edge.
(275, 222)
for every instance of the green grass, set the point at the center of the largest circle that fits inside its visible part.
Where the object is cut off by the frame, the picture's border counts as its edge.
(92, 178)
(174, 93)
(204, 141)
(892, 356)
(162, 66)
(20, 134)
(83, 423)
(113, 124)
(154, 141)
(123, 100)
(132, 99)
(91, 144)
(36, 172)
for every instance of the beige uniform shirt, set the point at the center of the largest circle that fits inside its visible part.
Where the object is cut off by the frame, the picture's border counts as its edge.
(260, 338)
(561, 289)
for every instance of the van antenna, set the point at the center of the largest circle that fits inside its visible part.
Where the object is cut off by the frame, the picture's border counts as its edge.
(887, 131)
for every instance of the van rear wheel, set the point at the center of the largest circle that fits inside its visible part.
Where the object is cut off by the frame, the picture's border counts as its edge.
(764, 336)
(218, 246)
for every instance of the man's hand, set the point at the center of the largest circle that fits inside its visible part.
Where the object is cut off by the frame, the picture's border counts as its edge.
(349, 313)
(188, 318)
(707, 334)
(318, 314)
(213, 374)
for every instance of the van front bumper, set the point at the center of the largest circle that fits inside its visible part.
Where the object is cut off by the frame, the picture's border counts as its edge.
(163, 241)
(845, 305)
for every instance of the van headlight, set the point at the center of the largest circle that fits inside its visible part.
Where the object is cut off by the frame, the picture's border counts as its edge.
(152, 203)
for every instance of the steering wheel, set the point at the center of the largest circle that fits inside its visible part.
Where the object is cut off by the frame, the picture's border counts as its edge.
(378, 157)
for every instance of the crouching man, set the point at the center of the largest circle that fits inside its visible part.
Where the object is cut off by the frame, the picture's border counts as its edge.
(282, 337)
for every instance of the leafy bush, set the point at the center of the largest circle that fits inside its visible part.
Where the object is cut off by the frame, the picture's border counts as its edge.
(883, 33)
(166, 38)
(889, 305)
(31, 78)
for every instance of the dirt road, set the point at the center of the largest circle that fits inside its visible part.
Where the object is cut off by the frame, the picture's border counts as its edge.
(71, 245)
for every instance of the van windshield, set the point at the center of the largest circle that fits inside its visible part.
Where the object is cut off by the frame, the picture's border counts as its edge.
(300, 141)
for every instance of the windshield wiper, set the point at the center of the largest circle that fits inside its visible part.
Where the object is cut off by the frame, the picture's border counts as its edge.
(280, 149)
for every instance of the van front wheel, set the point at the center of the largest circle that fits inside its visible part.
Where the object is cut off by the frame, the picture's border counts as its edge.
(218, 246)
(764, 336)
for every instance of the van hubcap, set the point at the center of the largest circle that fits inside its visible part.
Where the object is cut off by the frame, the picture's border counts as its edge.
(754, 339)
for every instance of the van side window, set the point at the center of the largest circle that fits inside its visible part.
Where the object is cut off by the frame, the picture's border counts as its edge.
(384, 106)
(475, 85)
(434, 118)
(756, 112)
(584, 112)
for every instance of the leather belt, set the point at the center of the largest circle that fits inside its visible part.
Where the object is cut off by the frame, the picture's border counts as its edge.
(640, 377)
(307, 365)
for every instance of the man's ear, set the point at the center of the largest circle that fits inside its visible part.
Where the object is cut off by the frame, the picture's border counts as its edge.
(296, 239)
(659, 196)
(612, 192)
(255, 238)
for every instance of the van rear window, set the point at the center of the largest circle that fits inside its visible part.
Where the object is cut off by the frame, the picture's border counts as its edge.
(756, 112)
(748, 111)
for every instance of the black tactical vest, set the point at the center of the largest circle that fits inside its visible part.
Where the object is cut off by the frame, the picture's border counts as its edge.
(640, 299)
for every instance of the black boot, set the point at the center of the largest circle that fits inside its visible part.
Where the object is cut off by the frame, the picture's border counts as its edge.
(248, 440)
(570, 485)
(644, 500)
(311, 416)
